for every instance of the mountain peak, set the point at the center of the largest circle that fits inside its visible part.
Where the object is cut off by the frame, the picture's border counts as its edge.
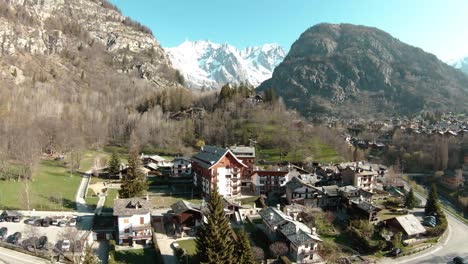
(352, 69)
(211, 65)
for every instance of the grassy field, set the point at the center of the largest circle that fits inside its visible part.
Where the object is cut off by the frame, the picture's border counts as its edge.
(109, 203)
(189, 245)
(147, 255)
(52, 188)
(313, 149)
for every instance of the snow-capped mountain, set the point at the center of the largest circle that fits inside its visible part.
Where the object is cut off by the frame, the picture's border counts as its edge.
(209, 65)
(461, 64)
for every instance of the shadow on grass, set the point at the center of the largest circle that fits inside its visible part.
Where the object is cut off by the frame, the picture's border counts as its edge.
(61, 202)
(146, 255)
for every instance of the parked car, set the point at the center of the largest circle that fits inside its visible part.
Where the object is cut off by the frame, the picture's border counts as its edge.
(175, 245)
(396, 252)
(3, 232)
(54, 222)
(13, 239)
(2, 219)
(62, 223)
(458, 260)
(41, 243)
(65, 245)
(45, 222)
(72, 222)
(16, 219)
(30, 221)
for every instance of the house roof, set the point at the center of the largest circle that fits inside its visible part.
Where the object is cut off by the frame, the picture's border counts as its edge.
(270, 173)
(153, 157)
(365, 206)
(331, 190)
(243, 151)
(274, 216)
(348, 189)
(410, 224)
(183, 206)
(298, 233)
(131, 206)
(210, 155)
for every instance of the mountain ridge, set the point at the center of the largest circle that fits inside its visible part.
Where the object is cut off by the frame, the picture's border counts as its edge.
(461, 64)
(206, 64)
(347, 69)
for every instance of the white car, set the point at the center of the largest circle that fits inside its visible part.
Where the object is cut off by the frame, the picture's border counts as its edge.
(175, 245)
(72, 222)
(65, 245)
(62, 223)
(54, 222)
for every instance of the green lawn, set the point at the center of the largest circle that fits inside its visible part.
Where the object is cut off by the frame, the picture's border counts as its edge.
(109, 203)
(313, 149)
(52, 188)
(92, 201)
(189, 245)
(147, 255)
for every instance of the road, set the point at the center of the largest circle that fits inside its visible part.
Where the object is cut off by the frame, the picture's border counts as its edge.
(8, 256)
(454, 244)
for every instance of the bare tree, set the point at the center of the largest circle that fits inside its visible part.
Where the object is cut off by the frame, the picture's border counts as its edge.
(278, 249)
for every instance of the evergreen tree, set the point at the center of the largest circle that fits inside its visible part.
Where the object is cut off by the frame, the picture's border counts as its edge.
(89, 258)
(134, 181)
(432, 203)
(410, 201)
(243, 252)
(225, 93)
(270, 96)
(214, 240)
(114, 164)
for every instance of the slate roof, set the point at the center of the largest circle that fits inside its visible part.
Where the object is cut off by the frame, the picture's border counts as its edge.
(131, 206)
(298, 233)
(209, 155)
(410, 224)
(274, 216)
(183, 206)
(331, 190)
(243, 151)
(348, 189)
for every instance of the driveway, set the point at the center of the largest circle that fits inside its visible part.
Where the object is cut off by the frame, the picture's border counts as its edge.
(164, 244)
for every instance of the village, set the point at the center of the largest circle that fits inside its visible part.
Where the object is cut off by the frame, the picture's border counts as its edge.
(343, 213)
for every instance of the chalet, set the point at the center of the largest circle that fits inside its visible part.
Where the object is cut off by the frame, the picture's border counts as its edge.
(302, 241)
(133, 219)
(363, 210)
(265, 182)
(409, 225)
(247, 156)
(186, 216)
(217, 166)
(181, 166)
(156, 159)
(363, 177)
(301, 190)
(332, 196)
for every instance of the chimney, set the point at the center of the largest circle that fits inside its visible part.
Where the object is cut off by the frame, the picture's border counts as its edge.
(271, 216)
(314, 231)
(278, 207)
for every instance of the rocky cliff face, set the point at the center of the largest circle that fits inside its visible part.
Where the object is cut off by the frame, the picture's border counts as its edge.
(209, 65)
(352, 70)
(48, 27)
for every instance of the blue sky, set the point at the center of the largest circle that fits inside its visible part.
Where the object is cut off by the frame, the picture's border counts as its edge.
(437, 26)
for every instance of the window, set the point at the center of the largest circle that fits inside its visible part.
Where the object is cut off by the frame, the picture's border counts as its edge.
(127, 230)
(142, 220)
(126, 220)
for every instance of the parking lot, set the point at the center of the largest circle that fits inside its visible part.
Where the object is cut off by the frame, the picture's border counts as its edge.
(73, 228)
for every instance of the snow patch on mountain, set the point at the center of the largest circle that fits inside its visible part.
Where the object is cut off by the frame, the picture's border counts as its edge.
(209, 65)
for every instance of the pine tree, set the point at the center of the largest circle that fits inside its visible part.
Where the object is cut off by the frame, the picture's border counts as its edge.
(214, 240)
(432, 203)
(114, 164)
(243, 251)
(270, 96)
(410, 201)
(134, 181)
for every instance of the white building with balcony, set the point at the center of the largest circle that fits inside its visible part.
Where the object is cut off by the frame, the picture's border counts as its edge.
(133, 220)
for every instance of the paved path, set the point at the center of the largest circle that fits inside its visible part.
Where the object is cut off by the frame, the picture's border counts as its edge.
(101, 249)
(455, 243)
(100, 204)
(80, 194)
(14, 257)
(164, 244)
